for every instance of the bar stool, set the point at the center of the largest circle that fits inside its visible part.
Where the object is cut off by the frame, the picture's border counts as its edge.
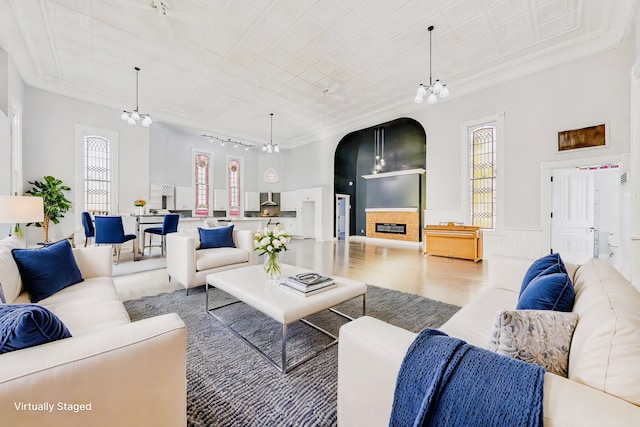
(169, 225)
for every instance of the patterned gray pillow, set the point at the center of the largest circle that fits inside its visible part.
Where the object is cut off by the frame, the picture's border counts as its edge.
(535, 336)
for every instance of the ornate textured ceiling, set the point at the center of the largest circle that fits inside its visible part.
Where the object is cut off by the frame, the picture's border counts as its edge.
(322, 66)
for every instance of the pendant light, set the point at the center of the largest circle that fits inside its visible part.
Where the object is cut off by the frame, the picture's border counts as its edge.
(378, 150)
(436, 89)
(271, 147)
(133, 116)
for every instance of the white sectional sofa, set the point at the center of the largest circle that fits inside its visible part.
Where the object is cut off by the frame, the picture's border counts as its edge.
(189, 265)
(603, 385)
(110, 372)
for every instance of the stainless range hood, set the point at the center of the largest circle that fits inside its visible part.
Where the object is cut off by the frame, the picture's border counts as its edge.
(269, 201)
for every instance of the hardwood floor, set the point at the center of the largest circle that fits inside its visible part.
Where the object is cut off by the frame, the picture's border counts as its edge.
(444, 279)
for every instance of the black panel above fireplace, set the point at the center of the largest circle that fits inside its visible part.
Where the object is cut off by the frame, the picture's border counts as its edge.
(385, 227)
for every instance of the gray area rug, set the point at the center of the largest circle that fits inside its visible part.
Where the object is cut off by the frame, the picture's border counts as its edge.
(230, 384)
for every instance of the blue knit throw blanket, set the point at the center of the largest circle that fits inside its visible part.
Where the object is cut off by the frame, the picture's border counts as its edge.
(444, 381)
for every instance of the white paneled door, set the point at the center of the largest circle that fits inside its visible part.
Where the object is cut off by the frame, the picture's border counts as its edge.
(572, 210)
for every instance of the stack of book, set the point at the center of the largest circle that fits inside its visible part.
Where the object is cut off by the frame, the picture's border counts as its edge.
(306, 284)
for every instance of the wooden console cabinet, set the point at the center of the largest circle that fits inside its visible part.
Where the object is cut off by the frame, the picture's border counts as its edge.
(455, 241)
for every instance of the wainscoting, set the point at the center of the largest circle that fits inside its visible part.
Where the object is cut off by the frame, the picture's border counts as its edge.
(520, 243)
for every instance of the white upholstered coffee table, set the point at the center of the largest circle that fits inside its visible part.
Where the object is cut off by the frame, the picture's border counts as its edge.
(251, 286)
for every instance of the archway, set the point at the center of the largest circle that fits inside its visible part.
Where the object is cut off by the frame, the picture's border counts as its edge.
(405, 148)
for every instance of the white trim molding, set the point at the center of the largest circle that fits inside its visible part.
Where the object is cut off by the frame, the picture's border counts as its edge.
(522, 243)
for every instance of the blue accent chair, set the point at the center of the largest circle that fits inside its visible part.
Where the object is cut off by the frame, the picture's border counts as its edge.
(169, 225)
(110, 231)
(89, 230)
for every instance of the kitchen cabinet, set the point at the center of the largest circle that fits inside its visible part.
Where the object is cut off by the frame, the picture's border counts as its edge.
(185, 198)
(155, 197)
(289, 201)
(251, 201)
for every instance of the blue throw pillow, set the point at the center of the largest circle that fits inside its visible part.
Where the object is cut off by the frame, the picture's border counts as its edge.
(27, 325)
(548, 264)
(548, 292)
(221, 237)
(45, 271)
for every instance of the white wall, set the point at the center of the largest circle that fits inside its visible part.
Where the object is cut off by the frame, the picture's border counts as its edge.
(11, 92)
(312, 165)
(171, 160)
(607, 184)
(585, 92)
(49, 146)
(278, 162)
(631, 193)
(536, 108)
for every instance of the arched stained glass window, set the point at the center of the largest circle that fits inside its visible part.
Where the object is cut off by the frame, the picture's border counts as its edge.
(202, 162)
(233, 184)
(482, 175)
(97, 175)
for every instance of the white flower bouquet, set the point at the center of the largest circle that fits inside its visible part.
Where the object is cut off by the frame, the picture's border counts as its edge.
(270, 241)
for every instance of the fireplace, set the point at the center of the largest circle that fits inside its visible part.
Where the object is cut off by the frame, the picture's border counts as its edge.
(393, 223)
(391, 228)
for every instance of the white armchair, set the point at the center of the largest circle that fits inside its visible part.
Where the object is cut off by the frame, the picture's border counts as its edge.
(189, 265)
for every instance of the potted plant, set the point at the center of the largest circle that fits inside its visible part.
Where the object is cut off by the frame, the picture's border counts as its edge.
(139, 203)
(55, 203)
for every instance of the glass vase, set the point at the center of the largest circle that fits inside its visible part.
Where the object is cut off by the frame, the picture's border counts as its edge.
(272, 265)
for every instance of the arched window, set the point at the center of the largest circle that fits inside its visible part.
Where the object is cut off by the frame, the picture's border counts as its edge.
(482, 175)
(202, 162)
(97, 174)
(233, 184)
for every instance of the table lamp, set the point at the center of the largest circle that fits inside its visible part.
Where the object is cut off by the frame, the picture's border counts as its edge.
(17, 209)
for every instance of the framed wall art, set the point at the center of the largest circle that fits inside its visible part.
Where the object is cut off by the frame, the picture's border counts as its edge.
(589, 137)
